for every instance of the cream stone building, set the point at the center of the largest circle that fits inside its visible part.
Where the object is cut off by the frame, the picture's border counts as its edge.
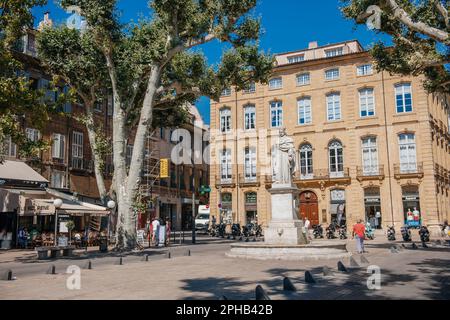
(370, 145)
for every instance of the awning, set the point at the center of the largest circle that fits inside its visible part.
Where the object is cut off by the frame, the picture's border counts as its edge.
(20, 171)
(30, 203)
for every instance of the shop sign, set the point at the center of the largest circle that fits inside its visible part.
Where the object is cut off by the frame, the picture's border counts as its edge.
(372, 200)
(338, 195)
(411, 198)
(31, 206)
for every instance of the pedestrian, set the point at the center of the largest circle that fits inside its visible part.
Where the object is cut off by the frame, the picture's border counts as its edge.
(306, 226)
(168, 227)
(155, 229)
(358, 233)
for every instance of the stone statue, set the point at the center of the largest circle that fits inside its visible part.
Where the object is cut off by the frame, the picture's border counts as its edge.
(284, 164)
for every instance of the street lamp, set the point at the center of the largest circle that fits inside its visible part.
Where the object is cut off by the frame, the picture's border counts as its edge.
(58, 204)
(111, 205)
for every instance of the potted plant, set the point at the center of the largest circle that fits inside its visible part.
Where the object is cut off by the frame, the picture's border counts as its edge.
(70, 225)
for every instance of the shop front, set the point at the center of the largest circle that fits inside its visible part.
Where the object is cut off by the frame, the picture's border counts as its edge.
(337, 207)
(251, 207)
(31, 218)
(226, 208)
(411, 206)
(186, 213)
(372, 204)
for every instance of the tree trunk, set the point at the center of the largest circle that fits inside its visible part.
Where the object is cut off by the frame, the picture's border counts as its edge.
(90, 126)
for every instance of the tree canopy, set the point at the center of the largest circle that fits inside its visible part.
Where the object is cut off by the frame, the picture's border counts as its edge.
(17, 100)
(420, 36)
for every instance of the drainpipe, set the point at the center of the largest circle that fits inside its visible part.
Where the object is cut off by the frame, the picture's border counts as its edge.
(236, 155)
(387, 148)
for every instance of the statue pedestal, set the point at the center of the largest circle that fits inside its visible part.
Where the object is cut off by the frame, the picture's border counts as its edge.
(285, 228)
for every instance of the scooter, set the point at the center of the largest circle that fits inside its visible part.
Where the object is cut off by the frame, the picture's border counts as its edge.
(343, 232)
(391, 233)
(424, 234)
(369, 234)
(317, 231)
(406, 233)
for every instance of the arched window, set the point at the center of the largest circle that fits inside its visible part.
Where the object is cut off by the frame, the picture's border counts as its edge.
(276, 114)
(306, 162)
(225, 120)
(336, 159)
(249, 117)
(370, 156)
(408, 156)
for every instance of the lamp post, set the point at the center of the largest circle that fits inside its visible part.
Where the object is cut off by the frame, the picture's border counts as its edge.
(111, 205)
(58, 204)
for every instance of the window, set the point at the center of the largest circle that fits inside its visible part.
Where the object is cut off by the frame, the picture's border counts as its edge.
(77, 145)
(98, 106)
(129, 155)
(306, 162)
(408, 160)
(33, 134)
(403, 98)
(58, 179)
(226, 92)
(332, 74)
(110, 110)
(251, 88)
(249, 117)
(303, 79)
(250, 163)
(366, 103)
(276, 114)
(225, 120)
(161, 133)
(67, 108)
(50, 95)
(276, 83)
(304, 111)
(334, 52)
(296, 59)
(336, 159)
(58, 147)
(9, 148)
(333, 107)
(370, 156)
(226, 165)
(364, 70)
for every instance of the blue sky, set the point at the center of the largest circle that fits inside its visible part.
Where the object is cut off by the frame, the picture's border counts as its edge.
(287, 25)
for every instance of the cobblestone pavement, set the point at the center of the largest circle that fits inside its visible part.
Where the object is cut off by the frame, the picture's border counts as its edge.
(208, 274)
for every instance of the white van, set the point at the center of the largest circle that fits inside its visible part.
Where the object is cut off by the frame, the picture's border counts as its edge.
(202, 219)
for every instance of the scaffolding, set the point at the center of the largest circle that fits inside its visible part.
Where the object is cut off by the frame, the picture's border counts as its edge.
(150, 172)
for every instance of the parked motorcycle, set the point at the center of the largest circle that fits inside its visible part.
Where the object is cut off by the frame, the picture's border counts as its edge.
(317, 231)
(235, 230)
(370, 233)
(406, 233)
(343, 232)
(330, 231)
(424, 234)
(391, 233)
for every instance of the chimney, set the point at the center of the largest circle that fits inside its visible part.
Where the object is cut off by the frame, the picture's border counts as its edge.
(313, 45)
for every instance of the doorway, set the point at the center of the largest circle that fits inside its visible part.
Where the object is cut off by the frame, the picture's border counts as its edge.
(309, 207)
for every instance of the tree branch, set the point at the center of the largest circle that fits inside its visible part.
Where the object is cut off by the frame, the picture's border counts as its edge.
(402, 16)
(442, 10)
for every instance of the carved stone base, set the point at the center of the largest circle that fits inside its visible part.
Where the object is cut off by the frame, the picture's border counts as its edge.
(285, 233)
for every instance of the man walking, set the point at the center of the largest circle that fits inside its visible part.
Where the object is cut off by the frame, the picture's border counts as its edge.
(306, 225)
(358, 233)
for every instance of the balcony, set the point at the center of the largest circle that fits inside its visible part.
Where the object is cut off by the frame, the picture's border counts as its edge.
(80, 164)
(225, 182)
(246, 181)
(370, 173)
(317, 177)
(408, 170)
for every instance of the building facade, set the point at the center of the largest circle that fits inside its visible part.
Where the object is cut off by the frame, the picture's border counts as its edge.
(370, 145)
